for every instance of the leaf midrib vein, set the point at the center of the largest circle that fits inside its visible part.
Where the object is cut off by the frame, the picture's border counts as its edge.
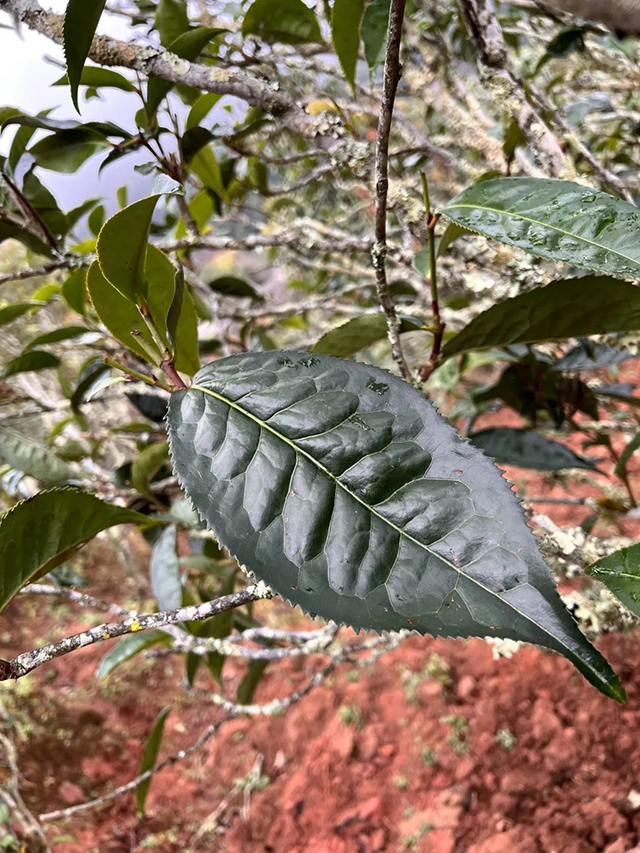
(299, 450)
(544, 225)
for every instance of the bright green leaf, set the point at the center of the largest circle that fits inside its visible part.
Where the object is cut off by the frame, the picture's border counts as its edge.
(122, 242)
(126, 648)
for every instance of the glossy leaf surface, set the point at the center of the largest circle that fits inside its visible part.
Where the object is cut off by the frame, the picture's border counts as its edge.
(620, 572)
(526, 449)
(340, 486)
(64, 520)
(563, 309)
(554, 219)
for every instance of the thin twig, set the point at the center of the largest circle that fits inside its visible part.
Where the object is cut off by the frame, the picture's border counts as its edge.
(136, 374)
(27, 662)
(379, 250)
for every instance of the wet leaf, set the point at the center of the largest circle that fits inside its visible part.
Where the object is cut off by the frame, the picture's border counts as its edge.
(64, 519)
(554, 219)
(341, 487)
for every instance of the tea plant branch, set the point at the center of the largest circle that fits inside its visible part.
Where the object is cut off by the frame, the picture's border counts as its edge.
(486, 33)
(136, 374)
(159, 63)
(438, 324)
(28, 661)
(379, 250)
(22, 275)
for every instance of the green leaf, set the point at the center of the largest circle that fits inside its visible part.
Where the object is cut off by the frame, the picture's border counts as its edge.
(126, 648)
(162, 281)
(164, 569)
(28, 362)
(553, 219)
(11, 312)
(42, 121)
(96, 219)
(119, 315)
(122, 242)
(373, 31)
(345, 34)
(201, 109)
(147, 464)
(150, 757)
(285, 21)
(526, 449)
(341, 487)
(90, 374)
(620, 572)
(568, 308)
(66, 333)
(64, 519)
(99, 78)
(247, 686)
(452, 232)
(360, 333)
(171, 20)
(66, 150)
(80, 22)
(74, 290)
(231, 285)
(32, 459)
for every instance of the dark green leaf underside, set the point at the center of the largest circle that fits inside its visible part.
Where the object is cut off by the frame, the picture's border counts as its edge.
(341, 487)
(526, 449)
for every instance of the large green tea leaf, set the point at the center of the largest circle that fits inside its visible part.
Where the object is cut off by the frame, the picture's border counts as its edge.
(39, 533)
(341, 487)
(568, 308)
(553, 219)
(620, 572)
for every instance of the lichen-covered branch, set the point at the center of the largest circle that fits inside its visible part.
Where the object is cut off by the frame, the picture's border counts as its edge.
(379, 250)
